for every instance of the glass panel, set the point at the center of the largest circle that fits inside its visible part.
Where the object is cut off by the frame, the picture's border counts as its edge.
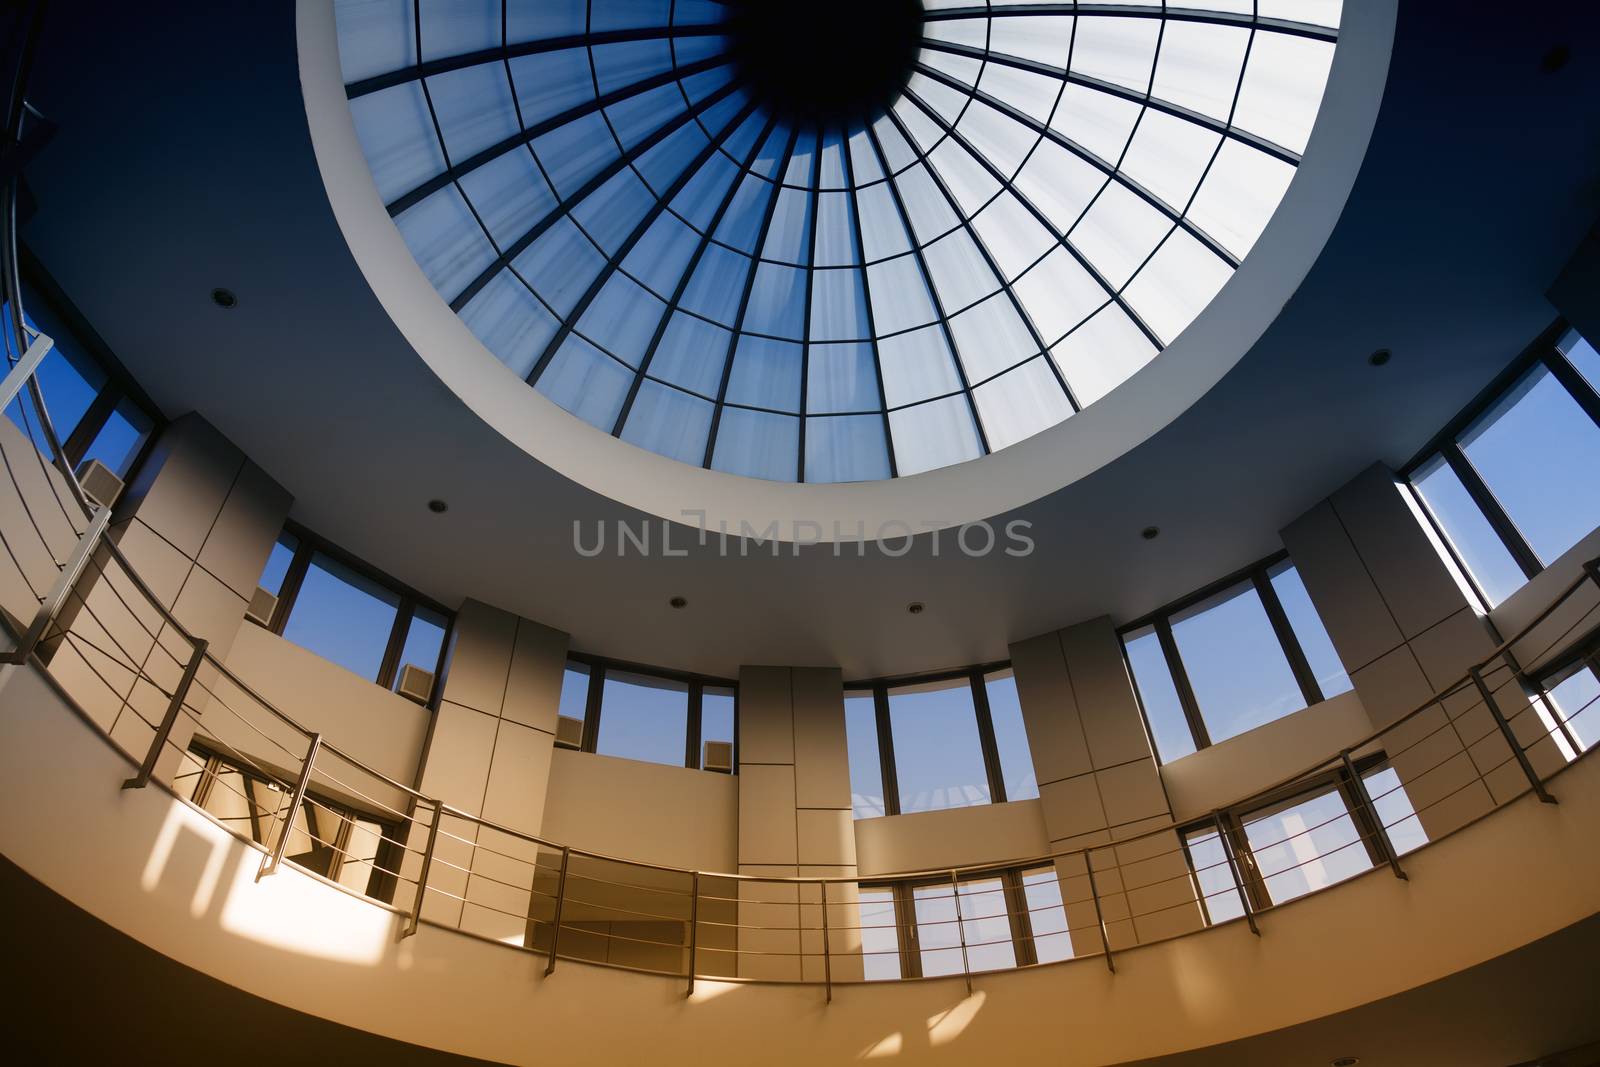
(69, 380)
(1305, 845)
(880, 944)
(1484, 555)
(1576, 699)
(983, 926)
(278, 561)
(1581, 354)
(1394, 809)
(937, 757)
(1010, 736)
(643, 718)
(1211, 870)
(575, 692)
(861, 739)
(125, 431)
(1532, 449)
(424, 642)
(343, 616)
(1163, 711)
(1308, 629)
(1047, 918)
(1237, 669)
(716, 715)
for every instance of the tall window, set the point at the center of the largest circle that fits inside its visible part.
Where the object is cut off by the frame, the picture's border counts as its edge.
(1231, 658)
(1572, 690)
(92, 410)
(330, 605)
(949, 741)
(1512, 485)
(682, 720)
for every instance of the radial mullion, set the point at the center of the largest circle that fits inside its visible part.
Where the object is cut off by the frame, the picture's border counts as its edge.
(1173, 14)
(1110, 170)
(564, 207)
(927, 281)
(744, 298)
(866, 295)
(1113, 293)
(1041, 349)
(688, 274)
(811, 279)
(539, 129)
(1271, 148)
(446, 64)
(614, 261)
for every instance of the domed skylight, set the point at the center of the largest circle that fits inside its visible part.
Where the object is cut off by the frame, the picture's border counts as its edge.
(830, 241)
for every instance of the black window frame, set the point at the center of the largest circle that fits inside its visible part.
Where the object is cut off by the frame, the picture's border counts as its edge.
(1446, 445)
(61, 315)
(879, 689)
(1229, 826)
(308, 545)
(384, 879)
(1259, 576)
(597, 666)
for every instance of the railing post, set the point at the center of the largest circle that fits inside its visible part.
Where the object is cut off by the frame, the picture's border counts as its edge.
(961, 932)
(427, 864)
(561, 895)
(1099, 918)
(170, 719)
(827, 951)
(23, 369)
(1511, 738)
(65, 582)
(1379, 831)
(269, 864)
(694, 927)
(1226, 840)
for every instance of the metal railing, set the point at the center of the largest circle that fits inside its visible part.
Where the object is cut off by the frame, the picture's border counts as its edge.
(79, 611)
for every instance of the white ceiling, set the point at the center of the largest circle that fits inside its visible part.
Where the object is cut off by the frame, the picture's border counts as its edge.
(183, 163)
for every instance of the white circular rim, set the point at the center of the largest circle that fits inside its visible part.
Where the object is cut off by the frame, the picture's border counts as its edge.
(966, 492)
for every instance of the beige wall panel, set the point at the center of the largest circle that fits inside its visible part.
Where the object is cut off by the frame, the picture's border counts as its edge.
(237, 547)
(1413, 581)
(1357, 619)
(826, 836)
(1049, 709)
(929, 840)
(766, 719)
(1391, 686)
(458, 757)
(533, 688)
(766, 814)
(1446, 650)
(1104, 694)
(209, 609)
(1131, 792)
(518, 776)
(1072, 806)
(182, 485)
(480, 657)
(821, 759)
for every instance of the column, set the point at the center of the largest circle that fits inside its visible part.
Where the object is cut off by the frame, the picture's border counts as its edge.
(1100, 788)
(1405, 629)
(795, 820)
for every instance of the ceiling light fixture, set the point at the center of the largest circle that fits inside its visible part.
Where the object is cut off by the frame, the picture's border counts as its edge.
(1346, 1061)
(224, 299)
(1379, 358)
(678, 602)
(1150, 533)
(438, 507)
(916, 607)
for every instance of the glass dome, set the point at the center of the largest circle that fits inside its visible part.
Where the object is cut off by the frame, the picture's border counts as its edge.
(830, 241)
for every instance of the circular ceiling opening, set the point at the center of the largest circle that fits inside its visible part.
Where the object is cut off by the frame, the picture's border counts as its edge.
(827, 61)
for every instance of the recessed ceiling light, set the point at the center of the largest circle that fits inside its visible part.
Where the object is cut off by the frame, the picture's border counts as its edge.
(438, 507)
(1346, 1061)
(678, 602)
(916, 607)
(1555, 59)
(1379, 358)
(224, 298)
(1150, 533)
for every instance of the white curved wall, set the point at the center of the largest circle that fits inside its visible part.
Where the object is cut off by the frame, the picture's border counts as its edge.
(159, 871)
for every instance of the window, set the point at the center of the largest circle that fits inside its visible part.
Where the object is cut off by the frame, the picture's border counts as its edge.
(1573, 691)
(92, 411)
(642, 714)
(1303, 841)
(330, 605)
(1231, 658)
(355, 849)
(984, 922)
(948, 741)
(1511, 488)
